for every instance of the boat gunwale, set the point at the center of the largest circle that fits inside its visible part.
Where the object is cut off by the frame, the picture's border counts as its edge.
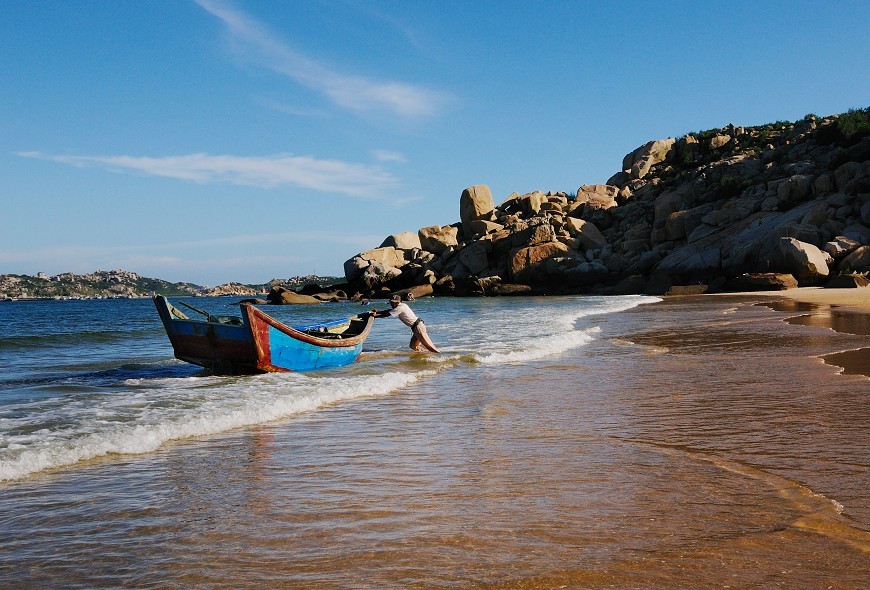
(254, 314)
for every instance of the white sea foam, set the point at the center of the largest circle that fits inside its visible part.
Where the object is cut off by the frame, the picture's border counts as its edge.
(540, 331)
(166, 410)
(542, 347)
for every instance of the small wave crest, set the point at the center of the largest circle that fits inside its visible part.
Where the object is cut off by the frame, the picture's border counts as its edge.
(162, 410)
(540, 347)
(539, 331)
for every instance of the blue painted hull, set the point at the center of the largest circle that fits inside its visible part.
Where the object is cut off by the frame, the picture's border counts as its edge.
(295, 355)
(282, 348)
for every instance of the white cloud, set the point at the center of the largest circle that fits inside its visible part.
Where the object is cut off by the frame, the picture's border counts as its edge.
(349, 91)
(264, 171)
(389, 156)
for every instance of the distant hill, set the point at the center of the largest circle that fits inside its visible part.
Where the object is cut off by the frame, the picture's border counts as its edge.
(126, 284)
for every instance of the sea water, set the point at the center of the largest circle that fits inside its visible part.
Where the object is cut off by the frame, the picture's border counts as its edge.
(578, 441)
(83, 379)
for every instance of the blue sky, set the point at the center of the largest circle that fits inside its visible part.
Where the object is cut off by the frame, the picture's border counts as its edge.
(231, 140)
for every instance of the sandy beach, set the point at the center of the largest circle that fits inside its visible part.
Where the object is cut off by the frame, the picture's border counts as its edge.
(853, 299)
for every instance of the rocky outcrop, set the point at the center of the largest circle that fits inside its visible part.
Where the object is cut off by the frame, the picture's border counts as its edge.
(403, 241)
(806, 263)
(235, 289)
(437, 239)
(729, 208)
(638, 163)
(285, 296)
(768, 281)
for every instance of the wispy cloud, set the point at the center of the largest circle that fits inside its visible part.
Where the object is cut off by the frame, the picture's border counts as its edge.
(350, 91)
(266, 171)
(389, 156)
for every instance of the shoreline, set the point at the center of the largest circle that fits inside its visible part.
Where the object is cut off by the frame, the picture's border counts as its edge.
(844, 311)
(856, 300)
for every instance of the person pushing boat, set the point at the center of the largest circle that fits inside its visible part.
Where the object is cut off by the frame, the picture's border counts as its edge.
(420, 337)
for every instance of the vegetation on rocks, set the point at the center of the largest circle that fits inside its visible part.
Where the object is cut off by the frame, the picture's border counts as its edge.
(854, 123)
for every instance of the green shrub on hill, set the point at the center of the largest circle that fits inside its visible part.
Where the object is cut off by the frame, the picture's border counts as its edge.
(854, 123)
(729, 187)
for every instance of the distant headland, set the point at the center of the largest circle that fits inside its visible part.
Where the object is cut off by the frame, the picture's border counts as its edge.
(122, 284)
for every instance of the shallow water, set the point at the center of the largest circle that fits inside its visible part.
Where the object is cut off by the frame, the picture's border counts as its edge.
(578, 442)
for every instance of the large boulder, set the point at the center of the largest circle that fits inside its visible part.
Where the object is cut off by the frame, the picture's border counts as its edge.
(807, 263)
(387, 256)
(475, 203)
(764, 281)
(475, 256)
(590, 237)
(857, 261)
(681, 224)
(437, 239)
(840, 247)
(480, 227)
(795, 189)
(284, 296)
(638, 163)
(857, 232)
(377, 275)
(507, 289)
(602, 196)
(667, 203)
(718, 141)
(528, 204)
(534, 235)
(404, 241)
(415, 292)
(527, 264)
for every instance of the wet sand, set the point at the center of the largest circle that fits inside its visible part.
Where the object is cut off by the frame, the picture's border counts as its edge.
(856, 299)
(846, 311)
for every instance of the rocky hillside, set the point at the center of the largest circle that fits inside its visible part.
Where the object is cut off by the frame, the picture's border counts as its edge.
(123, 284)
(734, 208)
(116, 283)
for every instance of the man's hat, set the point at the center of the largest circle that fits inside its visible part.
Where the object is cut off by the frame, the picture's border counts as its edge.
(397, 298)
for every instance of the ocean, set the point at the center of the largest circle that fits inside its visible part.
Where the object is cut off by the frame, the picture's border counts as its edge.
(577, 442)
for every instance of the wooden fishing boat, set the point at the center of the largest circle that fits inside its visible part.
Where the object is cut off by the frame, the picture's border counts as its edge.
(258, 343)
